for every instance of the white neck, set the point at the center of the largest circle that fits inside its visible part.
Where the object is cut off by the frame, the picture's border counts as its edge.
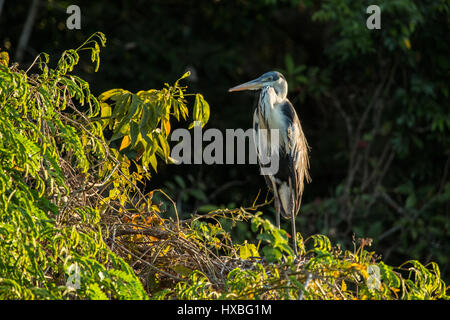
(271, 97)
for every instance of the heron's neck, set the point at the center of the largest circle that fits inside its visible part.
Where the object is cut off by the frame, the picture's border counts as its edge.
(281, 90)
(270, 97)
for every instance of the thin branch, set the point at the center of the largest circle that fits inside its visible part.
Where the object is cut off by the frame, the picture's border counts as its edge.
(26, 32)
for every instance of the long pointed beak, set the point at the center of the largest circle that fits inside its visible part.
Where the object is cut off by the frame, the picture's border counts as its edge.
(251, 85)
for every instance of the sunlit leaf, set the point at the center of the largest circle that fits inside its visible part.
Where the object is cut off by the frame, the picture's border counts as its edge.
(126, 141)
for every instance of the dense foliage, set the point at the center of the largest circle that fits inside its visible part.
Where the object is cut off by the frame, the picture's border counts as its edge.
(72, 206)
(44, 235)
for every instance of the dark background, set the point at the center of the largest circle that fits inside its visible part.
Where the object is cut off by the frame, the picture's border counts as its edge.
(374, 104)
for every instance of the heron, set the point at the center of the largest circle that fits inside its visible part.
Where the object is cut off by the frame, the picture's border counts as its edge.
(275, 111)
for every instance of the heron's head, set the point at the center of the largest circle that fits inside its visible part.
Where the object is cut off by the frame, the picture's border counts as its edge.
(272, 79)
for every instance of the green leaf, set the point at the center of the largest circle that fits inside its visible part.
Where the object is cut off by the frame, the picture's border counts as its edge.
(272, 254)
(180, 181)
(182, 270)
(207, 208)
(248, 250)
(185, 75)
(105, 112)
(411, 201)
(153, 162)
(201, 110)
(134, 133)
(198, 194)
(164, 145)
(389, 276)
(110, 94)
(289, 62)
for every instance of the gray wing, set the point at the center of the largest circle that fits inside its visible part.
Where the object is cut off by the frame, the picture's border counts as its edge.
(297, 156)
(293, 160)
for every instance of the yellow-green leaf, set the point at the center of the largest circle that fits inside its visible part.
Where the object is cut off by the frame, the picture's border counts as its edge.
(407, 43)
(109, 94)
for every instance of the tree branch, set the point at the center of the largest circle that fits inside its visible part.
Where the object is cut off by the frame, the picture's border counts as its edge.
(26, 32)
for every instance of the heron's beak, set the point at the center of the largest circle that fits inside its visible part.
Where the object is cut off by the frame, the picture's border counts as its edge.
(251, 85)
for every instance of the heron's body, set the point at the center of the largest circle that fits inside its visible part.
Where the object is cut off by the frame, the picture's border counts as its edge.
(288, 183)
(275, 111)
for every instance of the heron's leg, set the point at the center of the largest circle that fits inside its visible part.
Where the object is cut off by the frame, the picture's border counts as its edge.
(294, 235)
(277, 203)
(277, 208)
